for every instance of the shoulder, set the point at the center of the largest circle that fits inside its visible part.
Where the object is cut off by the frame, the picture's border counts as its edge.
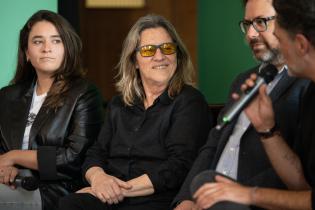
(14, 90)
(81, 86)
(116, 102)
(84, 93)
(189, 96)
(189, 91)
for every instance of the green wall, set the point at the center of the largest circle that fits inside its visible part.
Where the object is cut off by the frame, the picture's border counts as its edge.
(13, 15)
(222, 50)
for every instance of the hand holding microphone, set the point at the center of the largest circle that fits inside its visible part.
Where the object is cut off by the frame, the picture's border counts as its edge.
(28, 183)
(257, 110)
(9, 176)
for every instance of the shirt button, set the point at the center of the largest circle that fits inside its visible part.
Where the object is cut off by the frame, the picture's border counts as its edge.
(224, 172)
(136, 129)
(232, 149)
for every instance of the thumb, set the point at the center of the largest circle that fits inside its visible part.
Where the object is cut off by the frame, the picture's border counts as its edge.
(263, 91)
(222, 179)
(123, 184)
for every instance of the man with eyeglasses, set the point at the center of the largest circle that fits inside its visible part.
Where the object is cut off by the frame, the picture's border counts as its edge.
(236, 151)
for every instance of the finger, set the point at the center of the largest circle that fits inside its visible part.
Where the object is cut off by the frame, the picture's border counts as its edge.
(14, 173)
(118, 192)
(209, 200)
(263, 94)
(244, 87)
(249, 82)
(107, 195)
(123, 184)
(100, 196)
(6, 176)
(84, 190)
(253, 76)
(114, 196)
(208, 192)
(235, 96)
(223, 179)
(204, 188)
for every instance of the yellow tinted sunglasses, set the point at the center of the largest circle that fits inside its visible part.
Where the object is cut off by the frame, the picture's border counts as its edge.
(150, 50)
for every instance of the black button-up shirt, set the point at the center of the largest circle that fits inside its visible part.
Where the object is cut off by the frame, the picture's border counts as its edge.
(160, 141)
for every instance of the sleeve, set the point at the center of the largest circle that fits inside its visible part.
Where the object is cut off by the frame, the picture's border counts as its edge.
(66, 160)
(202, 162)
(3, 146)
(190, 123)
(2, 150)
(207, 152)
(98, 153)
(313, 199)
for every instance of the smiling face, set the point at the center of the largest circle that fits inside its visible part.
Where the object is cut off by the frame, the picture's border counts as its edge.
(45, 48)
(264, 45)
(158, 69)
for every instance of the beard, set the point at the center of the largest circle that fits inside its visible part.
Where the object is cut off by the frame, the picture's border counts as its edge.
(268, 54)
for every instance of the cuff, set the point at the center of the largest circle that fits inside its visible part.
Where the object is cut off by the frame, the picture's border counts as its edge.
(46, 158)
(156, 181)
(313, 199)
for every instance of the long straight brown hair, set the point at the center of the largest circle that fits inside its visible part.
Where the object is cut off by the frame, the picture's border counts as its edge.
(70, 68)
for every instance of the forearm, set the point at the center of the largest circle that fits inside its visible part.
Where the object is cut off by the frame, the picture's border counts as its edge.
(283, 159)
(24, 158)
(92, 172)
(282, 199)
(141, 186)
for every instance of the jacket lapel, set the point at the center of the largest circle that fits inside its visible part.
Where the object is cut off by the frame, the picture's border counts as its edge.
(284, 83)
(39, 121)
(20, 108)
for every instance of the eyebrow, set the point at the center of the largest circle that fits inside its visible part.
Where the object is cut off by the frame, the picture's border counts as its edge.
(260, 16)
(40, 37)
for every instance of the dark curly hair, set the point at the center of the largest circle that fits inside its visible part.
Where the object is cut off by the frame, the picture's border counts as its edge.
(297, 16)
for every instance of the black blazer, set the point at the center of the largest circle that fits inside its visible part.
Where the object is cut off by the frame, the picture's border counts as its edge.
(60, 137)
(254, 167)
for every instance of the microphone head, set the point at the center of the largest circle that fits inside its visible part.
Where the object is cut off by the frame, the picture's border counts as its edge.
(268, 73)
(29, 183)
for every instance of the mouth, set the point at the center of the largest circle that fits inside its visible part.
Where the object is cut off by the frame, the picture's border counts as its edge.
(162, 66)
(255, 45)
(47, 58)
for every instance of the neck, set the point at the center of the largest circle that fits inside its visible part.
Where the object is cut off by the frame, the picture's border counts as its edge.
(279, 66)
(43, 84)
(152, 92)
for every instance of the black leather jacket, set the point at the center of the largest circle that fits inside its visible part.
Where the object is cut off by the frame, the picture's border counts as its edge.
(60, 137)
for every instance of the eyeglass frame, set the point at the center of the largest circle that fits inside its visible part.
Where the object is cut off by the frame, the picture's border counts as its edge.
(158, 46)
(252, 22)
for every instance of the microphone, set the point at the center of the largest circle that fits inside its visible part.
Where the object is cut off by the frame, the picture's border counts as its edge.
(28, 182)
(266, 75)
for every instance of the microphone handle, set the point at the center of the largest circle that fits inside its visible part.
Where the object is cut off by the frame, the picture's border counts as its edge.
(240, 104)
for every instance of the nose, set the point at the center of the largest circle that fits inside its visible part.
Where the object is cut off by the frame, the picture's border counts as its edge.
(252, 33)
(158, 55)
(46, 47)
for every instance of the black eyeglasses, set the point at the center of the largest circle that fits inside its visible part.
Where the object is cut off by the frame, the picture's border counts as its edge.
(150, 50)
(260, 24)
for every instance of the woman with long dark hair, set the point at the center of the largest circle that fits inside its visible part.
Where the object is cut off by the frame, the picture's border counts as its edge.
(49, 114)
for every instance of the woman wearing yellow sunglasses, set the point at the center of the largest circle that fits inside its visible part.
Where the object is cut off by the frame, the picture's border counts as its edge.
(152, 130)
